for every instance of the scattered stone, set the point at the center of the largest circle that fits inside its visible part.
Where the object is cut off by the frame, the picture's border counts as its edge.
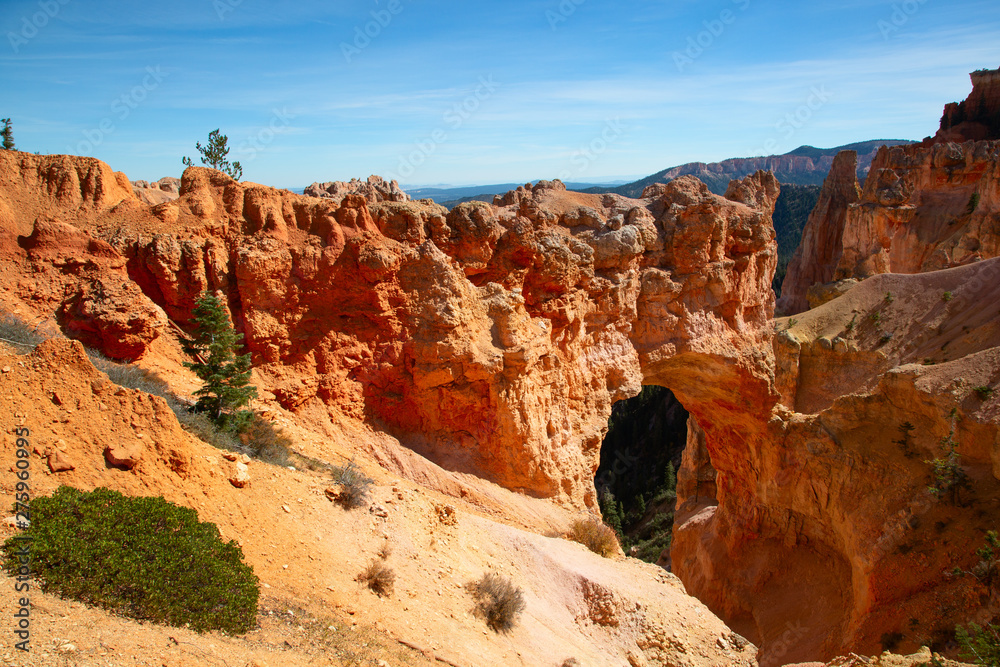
(379, 511)
(240, 477)
(59, 461)
(125, 456)
(230, 456)
(446, 514)
(288, 510)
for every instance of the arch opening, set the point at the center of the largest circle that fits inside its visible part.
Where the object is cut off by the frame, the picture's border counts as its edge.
(644, 468)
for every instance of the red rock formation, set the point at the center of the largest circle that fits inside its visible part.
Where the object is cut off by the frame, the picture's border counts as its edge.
(822, 239)
(32, 186)
(923, 208)
(62, 271)
(375, 189)
(492, 339)
(978, 116)
(164, 190)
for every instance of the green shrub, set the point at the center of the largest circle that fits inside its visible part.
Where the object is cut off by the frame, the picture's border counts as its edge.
(141, 557)
(973, 203)
(668, 491)
(983, 392)
(947, 296)
(595, 535)
(850, 325)
(379, 577)
(979, 644)
(498, 601)
(612, 511)
(948, 478)
(889, 298)
(651, 549)
(354, 485)
(19, 333)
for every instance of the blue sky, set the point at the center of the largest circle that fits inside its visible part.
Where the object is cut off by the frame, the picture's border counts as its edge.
(444, 92)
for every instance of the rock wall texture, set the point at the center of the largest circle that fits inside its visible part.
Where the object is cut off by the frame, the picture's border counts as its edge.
(976, 118)
(819, 251)
(833, 498)
(492, 339)
(924, 206)
(375, 189)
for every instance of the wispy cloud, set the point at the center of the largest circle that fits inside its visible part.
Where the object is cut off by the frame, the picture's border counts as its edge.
(558, 87)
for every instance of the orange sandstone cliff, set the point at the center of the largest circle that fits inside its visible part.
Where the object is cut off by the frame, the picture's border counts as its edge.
(923, 207)
(493, 339)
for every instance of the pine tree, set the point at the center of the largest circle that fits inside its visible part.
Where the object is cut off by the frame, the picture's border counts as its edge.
(7, 134)
(948, 477)
(670, 479)
(214, 155)
(226, 374)
(612, 512)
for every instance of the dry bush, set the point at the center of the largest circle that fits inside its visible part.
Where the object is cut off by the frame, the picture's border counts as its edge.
(379, 577)
(266, 442)
(19, 333)
(498, 601)
(354, 485)
(595, 535)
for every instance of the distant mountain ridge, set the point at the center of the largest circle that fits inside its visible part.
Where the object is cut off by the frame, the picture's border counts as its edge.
(480, 192)
(806, 165)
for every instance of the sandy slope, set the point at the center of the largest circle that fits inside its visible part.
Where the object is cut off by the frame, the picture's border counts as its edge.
(307, 550)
